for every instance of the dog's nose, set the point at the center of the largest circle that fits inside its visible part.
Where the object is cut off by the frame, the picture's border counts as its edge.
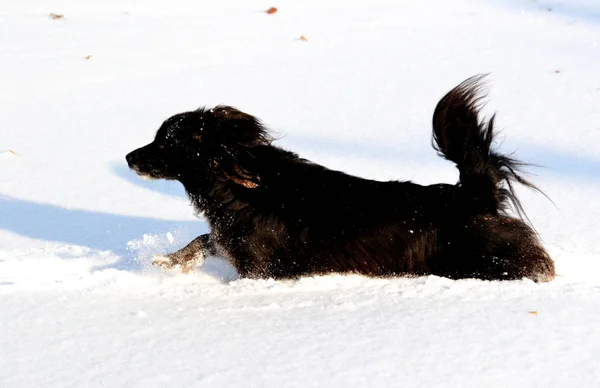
(130, 158)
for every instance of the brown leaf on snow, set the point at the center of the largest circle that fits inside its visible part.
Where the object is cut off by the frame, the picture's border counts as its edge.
(534, 312)
(303, 38)
(56, 16)
(271, 10)
(88, 57)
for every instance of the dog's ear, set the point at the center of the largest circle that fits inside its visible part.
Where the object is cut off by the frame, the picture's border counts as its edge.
(237, 127)
(230, 170)
(238, 134)
(243, 178)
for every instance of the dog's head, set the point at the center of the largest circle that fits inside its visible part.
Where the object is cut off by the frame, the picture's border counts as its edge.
(205, 144)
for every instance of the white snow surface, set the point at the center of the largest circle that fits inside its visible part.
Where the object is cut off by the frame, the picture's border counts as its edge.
(80, 305)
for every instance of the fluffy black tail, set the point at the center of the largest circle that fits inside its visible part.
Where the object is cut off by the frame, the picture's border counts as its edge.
(486, 176)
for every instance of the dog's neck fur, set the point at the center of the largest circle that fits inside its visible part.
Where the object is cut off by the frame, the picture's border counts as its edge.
(215, 199)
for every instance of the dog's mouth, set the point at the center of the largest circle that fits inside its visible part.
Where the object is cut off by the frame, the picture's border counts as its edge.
(151, 176)
(147, 175)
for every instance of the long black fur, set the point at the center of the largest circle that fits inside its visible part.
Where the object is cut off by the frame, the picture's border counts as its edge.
(274, 214)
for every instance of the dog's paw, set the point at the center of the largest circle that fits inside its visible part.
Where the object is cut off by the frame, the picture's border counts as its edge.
(163, 261)
(178, 261)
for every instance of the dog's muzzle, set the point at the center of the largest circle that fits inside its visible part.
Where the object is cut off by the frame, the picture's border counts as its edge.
(145, 164)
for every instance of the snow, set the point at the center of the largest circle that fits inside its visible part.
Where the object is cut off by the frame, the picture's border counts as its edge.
(80, 304)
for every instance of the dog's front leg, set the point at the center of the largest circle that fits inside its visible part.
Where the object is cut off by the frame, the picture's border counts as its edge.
(188, 256)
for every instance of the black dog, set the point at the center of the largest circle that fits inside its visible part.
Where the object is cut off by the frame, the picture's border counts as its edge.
(273, 214)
